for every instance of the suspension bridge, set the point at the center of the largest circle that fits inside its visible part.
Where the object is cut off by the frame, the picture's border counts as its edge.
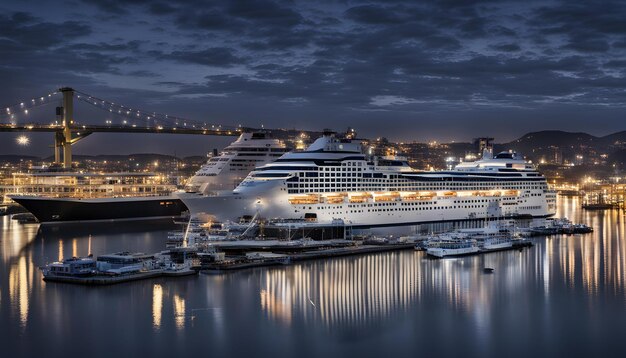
(67, 130)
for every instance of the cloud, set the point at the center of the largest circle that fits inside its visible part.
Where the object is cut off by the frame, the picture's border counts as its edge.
(27, 30)
(373, 14)
(215, 56)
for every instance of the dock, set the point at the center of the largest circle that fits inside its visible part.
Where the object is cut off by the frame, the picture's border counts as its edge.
(314, 252)
(103, 280)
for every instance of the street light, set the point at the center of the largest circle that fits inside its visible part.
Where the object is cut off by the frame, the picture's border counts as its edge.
(23, 140)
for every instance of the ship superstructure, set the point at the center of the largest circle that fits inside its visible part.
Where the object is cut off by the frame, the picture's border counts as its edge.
(334, 179)
(226, 170)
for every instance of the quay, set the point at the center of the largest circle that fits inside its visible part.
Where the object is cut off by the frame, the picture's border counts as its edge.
(272, 259)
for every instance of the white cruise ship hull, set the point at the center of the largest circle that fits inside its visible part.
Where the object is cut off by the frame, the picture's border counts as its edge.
(269, 202)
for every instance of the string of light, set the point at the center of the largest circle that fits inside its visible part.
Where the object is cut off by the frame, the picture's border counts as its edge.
(24, 108)
(151, 119)
(140, 114)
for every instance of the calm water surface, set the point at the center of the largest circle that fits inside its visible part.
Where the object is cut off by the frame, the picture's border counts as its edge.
(564, 296)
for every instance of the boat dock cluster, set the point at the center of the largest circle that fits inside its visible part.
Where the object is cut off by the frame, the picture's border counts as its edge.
(121, 267)
(216, 248)
(556, 227)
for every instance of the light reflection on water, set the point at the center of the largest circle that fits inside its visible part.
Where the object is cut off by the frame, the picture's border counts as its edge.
(566, 294)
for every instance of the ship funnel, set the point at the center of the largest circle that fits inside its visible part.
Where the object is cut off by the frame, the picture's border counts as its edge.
(487, 153)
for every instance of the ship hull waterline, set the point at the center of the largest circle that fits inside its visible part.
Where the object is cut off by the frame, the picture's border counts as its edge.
(59, 210)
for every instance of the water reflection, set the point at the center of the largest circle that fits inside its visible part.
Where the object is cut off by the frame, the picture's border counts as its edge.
(564, 283)
(368, 290)
(157, 305)
(353, 292)
(179, 311)
(60, 251)
(26, 247)
(20, 284)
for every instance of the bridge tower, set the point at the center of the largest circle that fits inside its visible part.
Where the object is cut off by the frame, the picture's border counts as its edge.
(68, 122)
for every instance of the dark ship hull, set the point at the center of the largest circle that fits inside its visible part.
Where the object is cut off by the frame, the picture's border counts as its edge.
(49, 210)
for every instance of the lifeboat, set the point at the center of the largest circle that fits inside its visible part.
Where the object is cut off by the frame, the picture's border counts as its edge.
(411, 197)
(360, 198)
(336, 198)
(305, 199)
(387, 196)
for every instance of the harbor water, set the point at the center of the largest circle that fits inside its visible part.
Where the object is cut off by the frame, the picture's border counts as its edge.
(565, 296)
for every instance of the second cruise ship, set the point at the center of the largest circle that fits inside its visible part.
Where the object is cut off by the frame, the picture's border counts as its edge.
(227, 170)
(71, 196)
(333, 179)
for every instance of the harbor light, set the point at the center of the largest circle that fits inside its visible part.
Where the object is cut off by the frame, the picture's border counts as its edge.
(23, 140)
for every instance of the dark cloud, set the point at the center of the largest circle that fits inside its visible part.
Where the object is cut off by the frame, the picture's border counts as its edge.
(27, 30)
(105, 47)
(265, 12)
(510, 47)
(215, 56)
(606, 17)
(590, 45)
(364, 61)
(161, 8)
(373, 14)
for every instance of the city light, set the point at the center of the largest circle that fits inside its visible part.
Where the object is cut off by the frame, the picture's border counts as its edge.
(23, 140)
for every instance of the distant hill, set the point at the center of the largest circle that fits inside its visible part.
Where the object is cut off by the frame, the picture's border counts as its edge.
(611, 139)
(531, 142)
(547, 144)
(15, 158)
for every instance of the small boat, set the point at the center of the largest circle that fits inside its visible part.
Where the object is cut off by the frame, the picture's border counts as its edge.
(495, 243)
(488, 270)
(581, 229)
(24, 218)
(446, 248)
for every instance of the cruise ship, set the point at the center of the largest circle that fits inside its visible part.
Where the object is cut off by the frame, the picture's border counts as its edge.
(64, 196)
(334, 179)
(227, 170)
(71, 196)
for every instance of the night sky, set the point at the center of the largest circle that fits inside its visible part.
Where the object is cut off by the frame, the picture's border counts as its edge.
(407, 70)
